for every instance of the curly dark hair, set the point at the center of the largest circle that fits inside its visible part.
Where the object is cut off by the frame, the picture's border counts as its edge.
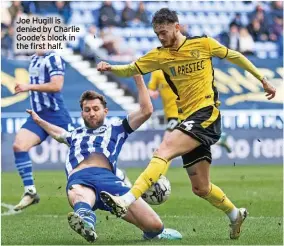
(164, 16)
(92, 95)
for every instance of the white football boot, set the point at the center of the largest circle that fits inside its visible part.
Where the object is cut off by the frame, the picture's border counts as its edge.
(82, 227)
(116, 203)
(167, 233)
(28, 199)
(236, 225)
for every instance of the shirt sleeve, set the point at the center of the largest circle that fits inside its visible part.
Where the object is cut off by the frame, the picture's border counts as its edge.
(55, 65)
(124, 70)
(237, 58)
(153, 83)
(216, 49)
(149, 62)
(65, 137)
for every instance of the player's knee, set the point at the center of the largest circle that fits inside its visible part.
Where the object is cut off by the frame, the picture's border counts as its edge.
(200, 190)
(166, 148)
(75, 194)
(80, 193)
(19, 146)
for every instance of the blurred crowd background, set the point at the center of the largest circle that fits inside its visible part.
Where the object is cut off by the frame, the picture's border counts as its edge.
(121, 31)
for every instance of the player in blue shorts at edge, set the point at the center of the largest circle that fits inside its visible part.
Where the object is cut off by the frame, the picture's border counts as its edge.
(46, 71)
(92, 163)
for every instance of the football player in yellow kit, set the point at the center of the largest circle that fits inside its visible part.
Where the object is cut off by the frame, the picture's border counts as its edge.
(159, 86)
(187, 67)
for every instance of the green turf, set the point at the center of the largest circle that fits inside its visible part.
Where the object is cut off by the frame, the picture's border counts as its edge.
(258, 188)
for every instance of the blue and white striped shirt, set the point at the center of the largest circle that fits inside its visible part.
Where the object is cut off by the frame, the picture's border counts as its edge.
(41, 69)
(107, 140)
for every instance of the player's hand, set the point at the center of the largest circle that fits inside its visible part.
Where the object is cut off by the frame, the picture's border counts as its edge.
(103, 66)
(268, 88)
(21, 88)
(34, 115)
(154, 94)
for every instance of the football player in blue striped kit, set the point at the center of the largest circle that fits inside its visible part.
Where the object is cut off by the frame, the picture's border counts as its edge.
(46, 72)
(92, 163)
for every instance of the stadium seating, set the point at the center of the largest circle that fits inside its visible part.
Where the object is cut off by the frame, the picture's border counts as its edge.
(210, 18)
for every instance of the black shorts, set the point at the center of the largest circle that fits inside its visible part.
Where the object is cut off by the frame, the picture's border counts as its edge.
(205, 126)
(172, 123)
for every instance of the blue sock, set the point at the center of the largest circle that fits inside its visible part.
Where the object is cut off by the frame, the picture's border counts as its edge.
(150, 235)
(24, 166)
(85, 211)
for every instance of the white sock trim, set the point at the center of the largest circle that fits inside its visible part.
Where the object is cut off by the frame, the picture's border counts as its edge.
(129, 198)
(233, 215)
(30, 189)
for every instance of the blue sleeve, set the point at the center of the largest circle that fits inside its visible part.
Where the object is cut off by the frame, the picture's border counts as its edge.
(55, 65)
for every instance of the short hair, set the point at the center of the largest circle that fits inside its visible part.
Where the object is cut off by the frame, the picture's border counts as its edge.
(164, 16)
(92, 95)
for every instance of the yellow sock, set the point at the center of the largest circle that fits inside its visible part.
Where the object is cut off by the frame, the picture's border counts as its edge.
(150, 175)
(218, 199)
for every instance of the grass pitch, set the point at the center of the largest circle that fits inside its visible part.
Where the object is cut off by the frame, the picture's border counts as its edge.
(258, 188)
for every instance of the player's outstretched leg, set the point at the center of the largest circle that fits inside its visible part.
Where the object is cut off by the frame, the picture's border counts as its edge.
(145, 218)
(120, 204)
(82, 199)
(201, 186)
(175, 145)
(24, 167)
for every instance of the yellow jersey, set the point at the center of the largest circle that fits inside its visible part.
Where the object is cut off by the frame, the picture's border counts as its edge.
(158, 82)
(188, 70)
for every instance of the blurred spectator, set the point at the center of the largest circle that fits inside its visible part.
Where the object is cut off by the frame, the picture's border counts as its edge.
(277, 9)
(45, 7)
(141, 14)
(231, 38)
(237, 20)
(257, 31)
(64, 10)
(262, 17)
(184, 30)
(5, 18)
(246, 43)
(14, 9)
(107, 15)
(115, 45)
(280, 46)
(277, 28)
(93, 45)
(29, 7)
(7, 42)
(128, 14)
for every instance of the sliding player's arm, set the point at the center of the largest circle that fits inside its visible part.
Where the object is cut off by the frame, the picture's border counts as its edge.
(138, 117)
(56, 132)
(237, 58)
(143, 65)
